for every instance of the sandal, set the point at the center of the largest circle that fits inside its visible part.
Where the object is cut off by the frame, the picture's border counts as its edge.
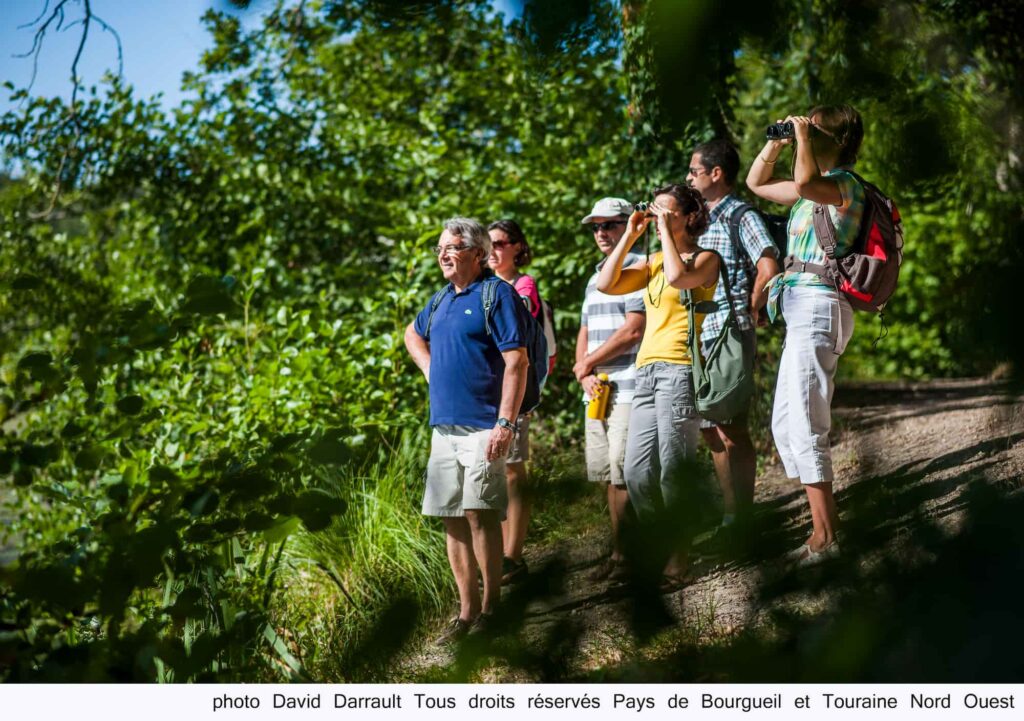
(805, 556)
(671, 582)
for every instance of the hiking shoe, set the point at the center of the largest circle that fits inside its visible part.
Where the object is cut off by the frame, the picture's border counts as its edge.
(482, 626)
(454, 632)
(512, 571)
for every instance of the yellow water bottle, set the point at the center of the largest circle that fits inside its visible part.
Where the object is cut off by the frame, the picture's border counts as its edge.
(598, 406)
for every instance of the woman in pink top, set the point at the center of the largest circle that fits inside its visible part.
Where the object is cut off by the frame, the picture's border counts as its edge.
(510, 253)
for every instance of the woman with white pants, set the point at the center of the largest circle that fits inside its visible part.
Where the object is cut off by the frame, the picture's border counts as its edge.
(819, 319)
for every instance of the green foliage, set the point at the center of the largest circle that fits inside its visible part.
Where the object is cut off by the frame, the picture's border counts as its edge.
(202, 343)
(341, 581)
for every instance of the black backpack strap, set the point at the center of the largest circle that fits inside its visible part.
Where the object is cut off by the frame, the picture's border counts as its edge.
(434, 303)
(734, 226)
(488, 294)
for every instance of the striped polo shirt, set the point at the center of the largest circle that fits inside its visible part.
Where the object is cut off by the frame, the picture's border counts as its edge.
(604, 314)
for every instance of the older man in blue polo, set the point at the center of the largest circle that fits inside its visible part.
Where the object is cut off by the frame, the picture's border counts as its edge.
(476, 368)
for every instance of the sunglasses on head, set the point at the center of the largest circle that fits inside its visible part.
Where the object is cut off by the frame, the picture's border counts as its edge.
(818, 130)
(606, 225)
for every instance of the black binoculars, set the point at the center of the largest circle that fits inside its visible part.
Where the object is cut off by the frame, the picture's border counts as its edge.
(779, 131)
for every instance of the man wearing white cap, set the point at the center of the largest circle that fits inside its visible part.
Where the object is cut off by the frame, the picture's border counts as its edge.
(611, 327)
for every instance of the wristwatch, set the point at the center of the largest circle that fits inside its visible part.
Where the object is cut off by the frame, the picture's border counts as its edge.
(506, 423)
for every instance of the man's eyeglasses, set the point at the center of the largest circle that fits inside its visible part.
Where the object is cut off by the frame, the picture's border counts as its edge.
(499, 244)
(607, 225)
(696, 171)
(461, 248)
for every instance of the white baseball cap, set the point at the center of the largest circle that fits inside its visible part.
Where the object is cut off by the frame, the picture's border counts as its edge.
(609, 208)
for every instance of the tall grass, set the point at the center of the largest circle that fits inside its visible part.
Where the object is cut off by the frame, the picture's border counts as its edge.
(342, 581)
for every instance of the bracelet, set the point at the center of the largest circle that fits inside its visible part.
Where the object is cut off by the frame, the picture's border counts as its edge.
(767, 162)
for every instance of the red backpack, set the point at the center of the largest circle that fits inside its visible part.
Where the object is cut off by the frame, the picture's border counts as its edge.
(866, 275)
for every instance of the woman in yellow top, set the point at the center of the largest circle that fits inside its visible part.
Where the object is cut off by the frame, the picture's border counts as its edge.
(664, 426)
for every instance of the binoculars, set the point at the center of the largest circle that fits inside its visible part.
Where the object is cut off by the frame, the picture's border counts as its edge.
(779, 131)
(644, 207)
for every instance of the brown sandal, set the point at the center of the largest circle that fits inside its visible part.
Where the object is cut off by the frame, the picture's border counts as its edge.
(672, 582)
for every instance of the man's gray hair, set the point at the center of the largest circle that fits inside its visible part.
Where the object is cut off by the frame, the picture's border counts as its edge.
(472, 233)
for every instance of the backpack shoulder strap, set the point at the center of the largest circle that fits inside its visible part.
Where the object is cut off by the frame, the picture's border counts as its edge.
(824, 230)
(734, 225)
(488, 294)
(686, 296)
(866, 185)
(723, 272)
(434, 303)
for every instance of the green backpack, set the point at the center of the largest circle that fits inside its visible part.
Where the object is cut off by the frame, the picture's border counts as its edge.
(724, 381)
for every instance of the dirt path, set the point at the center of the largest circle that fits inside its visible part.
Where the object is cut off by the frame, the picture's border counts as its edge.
(904, 454)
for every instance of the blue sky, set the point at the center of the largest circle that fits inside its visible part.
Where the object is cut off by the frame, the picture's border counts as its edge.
(161, 39)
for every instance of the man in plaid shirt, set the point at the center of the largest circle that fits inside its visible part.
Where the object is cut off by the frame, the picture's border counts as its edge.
(751, 260)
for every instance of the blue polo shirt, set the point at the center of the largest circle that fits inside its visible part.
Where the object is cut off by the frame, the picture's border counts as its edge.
(466, 367)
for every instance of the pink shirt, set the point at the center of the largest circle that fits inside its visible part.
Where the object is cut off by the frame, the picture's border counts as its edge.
(527, 288)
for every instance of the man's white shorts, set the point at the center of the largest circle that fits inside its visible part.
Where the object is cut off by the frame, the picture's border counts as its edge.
(459, 477)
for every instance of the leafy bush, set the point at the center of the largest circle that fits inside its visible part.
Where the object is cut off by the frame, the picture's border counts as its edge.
(200, 343)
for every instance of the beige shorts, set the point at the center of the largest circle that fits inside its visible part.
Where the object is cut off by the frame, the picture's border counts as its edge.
(520, 451)
(606, 445)
(459, 477)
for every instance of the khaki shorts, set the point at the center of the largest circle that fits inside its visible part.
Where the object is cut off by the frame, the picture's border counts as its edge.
(520, 451)
(606, 445)
(459, 477)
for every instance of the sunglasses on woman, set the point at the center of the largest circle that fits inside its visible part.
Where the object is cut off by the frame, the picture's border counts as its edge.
(499, 244)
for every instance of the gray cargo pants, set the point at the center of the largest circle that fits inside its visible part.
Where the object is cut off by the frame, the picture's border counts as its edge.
(664, 430)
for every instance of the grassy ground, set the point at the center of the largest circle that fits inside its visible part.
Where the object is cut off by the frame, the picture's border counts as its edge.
(378, 564)
(929, 487)
(382, 565)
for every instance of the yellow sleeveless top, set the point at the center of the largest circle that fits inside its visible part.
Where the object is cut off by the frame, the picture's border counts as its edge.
(667, 319)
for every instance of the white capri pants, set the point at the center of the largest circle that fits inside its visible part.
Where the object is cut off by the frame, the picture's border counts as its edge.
(819, 324)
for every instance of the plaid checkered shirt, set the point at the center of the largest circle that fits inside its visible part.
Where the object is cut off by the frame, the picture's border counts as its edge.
(741, 266)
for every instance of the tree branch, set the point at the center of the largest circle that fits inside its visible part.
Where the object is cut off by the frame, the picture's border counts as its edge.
(55, 17)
